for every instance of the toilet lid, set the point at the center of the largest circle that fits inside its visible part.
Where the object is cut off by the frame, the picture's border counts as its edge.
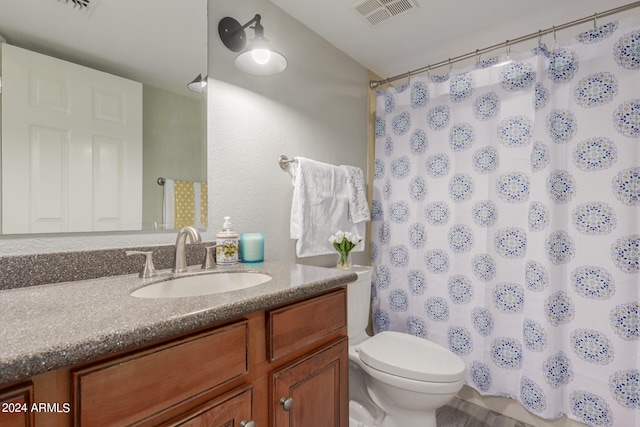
(411, 357)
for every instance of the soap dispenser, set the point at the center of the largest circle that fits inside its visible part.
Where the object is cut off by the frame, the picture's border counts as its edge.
(227, 242)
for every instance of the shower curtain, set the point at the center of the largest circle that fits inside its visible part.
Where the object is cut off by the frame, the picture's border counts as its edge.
(506, 223)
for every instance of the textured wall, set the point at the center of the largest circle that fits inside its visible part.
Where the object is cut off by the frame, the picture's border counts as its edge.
(316, 108)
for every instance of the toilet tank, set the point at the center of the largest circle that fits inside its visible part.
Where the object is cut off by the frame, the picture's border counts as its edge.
(359, 301)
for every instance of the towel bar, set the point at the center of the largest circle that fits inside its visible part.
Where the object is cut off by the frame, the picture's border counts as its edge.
(284, 162)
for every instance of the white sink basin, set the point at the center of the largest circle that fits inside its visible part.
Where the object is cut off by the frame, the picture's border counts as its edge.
(204, 284)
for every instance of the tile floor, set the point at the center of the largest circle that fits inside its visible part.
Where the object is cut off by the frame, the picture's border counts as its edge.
(460, 413)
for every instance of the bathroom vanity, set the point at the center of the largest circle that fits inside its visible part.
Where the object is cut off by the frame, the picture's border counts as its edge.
(271, 355)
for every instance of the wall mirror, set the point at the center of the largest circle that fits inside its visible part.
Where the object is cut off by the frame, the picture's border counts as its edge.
(162, 45)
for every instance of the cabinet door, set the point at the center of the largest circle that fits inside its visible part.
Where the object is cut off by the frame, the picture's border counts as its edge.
(230, 410)
(16, 406)
(313, 392)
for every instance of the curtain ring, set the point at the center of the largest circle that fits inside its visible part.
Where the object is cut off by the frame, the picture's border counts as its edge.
(554, 34)
(539, 37)
(508, 48)
(428, 72)
(409, 78)
(595, 20)
(450, 65)
(477, 57)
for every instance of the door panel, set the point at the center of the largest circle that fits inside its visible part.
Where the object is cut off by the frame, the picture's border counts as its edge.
(90, 123)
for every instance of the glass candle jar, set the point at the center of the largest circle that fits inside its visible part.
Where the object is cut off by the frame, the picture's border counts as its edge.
(251, 247)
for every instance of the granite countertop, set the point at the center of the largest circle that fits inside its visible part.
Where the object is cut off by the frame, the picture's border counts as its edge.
(52, 326)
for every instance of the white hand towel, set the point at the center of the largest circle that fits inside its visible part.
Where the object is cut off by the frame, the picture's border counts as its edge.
(168, 204)
(357, 190)
(320, 207)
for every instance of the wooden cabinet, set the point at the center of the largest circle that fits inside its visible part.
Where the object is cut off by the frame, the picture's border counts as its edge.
(302, 324)
(234, 374)
(313, 392)
(129, 389)
(313, 389)
(15, 409)
(231, 409)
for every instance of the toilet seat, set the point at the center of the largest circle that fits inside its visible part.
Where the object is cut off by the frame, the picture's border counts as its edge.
(411, 357)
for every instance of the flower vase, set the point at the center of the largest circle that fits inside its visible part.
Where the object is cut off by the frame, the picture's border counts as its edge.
(344, 260)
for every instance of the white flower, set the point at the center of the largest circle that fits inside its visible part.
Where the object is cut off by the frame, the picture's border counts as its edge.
(344, 242)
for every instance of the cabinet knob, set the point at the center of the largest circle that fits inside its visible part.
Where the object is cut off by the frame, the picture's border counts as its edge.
(287, 404)
(245, 423)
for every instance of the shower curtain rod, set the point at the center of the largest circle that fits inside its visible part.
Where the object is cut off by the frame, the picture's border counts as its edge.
(374, 84)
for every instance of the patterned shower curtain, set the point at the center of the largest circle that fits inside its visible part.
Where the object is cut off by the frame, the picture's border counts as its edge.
(506, 223)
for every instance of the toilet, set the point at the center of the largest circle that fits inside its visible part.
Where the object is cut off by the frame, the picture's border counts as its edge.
(395, 379)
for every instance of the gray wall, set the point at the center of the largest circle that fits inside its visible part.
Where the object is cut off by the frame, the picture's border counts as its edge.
(316, 108)
(174, 145)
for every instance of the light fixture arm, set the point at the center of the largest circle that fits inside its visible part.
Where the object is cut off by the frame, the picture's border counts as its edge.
(256, 20)
(258, 28)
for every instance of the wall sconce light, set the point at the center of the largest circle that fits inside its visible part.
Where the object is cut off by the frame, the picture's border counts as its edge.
(199, 84)
(258, 58)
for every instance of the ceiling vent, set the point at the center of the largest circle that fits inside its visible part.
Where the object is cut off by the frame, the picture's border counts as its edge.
(378, 11)
(85, 6)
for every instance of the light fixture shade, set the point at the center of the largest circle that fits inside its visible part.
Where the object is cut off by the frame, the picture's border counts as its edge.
(199, 84)
(259, 59)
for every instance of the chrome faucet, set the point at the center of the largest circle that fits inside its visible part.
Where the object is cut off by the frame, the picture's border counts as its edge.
(181, 259)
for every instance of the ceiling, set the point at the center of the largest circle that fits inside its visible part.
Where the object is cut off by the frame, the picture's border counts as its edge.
(438, 29)
(107, 36)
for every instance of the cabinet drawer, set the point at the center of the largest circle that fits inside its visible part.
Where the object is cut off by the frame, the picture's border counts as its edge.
(128, 389)
(296, 326)
(230, 409)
